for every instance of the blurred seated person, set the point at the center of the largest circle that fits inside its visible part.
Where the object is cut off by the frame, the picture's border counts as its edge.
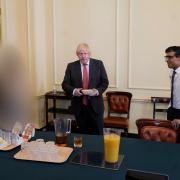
(14, 89)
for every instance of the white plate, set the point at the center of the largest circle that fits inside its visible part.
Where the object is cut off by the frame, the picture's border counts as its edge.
(3, 144)
(87, 91)
(6, 147)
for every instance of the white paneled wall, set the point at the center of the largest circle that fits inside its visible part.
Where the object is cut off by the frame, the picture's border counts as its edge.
(125, 34)
(151, 33)
(14, 24)
(93, 22)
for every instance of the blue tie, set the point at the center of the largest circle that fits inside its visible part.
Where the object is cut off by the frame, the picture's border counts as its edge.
(172, 87)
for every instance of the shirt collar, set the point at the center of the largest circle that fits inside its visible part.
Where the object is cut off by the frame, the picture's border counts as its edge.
(86, 64)
(177, 70)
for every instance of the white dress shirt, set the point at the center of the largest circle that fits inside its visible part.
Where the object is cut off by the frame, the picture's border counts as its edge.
(87, 66)
(82, 66)
(176, 91)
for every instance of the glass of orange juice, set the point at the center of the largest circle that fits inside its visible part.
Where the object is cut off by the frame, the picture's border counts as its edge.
(111, 144)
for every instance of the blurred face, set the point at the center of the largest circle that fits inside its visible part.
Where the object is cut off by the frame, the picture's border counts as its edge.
(83, 55)
(173, 62)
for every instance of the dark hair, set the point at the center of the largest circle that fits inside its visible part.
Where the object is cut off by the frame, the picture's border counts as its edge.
(175, 49)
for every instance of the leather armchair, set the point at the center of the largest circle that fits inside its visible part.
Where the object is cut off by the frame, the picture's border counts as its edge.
(162, 134)
(118, 109)
(156, 130)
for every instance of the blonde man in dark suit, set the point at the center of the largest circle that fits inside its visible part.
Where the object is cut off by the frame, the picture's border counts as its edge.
(86, 73)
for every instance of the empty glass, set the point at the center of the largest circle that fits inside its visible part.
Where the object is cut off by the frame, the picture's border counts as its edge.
(55, 88)
(40, 150)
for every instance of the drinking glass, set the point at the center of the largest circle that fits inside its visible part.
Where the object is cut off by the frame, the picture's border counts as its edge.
(62, 129)
(78, 141)
(111, 144)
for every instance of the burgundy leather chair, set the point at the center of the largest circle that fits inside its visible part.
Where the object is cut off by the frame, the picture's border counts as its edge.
(118, 109)
(156, 130)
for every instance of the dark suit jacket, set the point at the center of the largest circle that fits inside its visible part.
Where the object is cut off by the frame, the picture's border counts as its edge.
(97, 79)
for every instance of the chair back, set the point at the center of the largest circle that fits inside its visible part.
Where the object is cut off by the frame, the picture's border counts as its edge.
(162, 134)
(159, 101)
(156, 130)
(118, 102)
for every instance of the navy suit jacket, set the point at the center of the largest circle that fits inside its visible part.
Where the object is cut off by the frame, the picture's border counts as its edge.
(97, 79)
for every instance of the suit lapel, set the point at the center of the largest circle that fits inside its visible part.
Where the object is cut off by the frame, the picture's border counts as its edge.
(79, 74)
(91, 70)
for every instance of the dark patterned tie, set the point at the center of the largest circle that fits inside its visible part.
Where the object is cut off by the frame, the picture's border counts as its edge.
(172, 87)
(85, 83)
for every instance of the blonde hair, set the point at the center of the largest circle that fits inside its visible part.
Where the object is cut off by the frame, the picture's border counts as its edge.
(81, 47)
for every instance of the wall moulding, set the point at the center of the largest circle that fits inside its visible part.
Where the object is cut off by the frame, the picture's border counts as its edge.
(67, 36)
(146, 68)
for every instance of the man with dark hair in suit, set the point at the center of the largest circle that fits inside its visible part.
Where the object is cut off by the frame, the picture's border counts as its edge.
(86, 80)
(173, 61)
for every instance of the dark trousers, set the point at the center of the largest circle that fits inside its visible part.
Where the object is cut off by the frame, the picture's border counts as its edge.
(90, 122)
(173, 113)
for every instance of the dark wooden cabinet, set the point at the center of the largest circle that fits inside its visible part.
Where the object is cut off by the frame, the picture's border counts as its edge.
(52, 107)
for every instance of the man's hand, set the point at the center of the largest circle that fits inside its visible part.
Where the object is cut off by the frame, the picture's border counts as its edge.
(94, 92)
(175, 123)
(77, 92)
